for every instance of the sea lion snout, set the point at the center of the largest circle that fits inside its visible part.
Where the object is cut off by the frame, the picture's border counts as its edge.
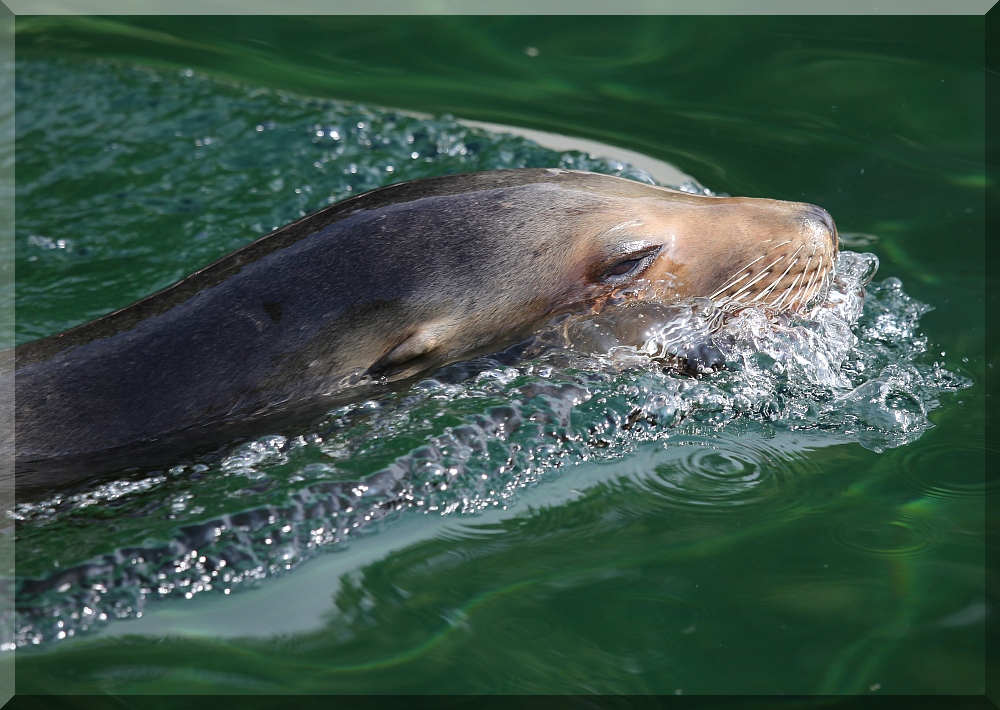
(791, 268)
(823, 217)
(737, 251)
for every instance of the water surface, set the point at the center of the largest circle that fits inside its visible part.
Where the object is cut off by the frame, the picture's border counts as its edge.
(778, 528)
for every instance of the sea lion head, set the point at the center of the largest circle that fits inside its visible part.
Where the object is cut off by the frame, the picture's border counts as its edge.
(661, 244)
(557, 241)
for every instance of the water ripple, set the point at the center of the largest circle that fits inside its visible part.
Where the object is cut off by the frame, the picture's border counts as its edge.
(952, 468)
(910, 533)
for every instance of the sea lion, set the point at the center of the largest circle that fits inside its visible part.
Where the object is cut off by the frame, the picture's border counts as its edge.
(382, 287)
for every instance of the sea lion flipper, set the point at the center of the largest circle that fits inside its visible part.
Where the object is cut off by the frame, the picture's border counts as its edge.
(413, 354)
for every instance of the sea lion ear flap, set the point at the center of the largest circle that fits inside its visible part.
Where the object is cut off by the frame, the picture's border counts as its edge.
(412, 355)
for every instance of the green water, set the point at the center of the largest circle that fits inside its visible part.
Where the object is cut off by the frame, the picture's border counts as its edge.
(839, 570)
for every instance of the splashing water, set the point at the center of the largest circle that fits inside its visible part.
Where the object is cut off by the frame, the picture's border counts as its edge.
(474, 435)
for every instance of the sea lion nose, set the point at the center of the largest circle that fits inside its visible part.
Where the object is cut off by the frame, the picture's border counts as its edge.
(824, 218)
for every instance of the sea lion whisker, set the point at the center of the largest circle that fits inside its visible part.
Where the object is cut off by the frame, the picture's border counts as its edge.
(766, 291)
(778, 299)
(795, 254)
(747, 286)
(819, 281)
(729, 286)
(761, 275)
(802, 285)
(745, 269)
(809, 289)
(779, 279)
(787, 241)
(735, 281)
(784, 294)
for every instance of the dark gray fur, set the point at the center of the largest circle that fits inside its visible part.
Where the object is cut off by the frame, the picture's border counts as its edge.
(269, 329)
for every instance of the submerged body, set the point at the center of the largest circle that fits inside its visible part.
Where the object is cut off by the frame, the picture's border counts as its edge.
(385, 286)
